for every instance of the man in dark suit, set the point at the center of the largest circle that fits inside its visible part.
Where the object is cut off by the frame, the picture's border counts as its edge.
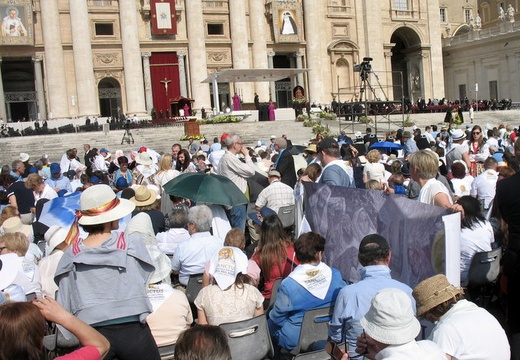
(285, 162)
(507, 201)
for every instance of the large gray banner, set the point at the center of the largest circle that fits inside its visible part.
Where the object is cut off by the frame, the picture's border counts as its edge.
(345, 215)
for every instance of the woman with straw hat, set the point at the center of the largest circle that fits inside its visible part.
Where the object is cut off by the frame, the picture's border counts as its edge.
(462, 329)
(102, 279)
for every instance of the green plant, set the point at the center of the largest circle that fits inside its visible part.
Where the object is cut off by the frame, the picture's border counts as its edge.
(365, 120)
(302, 118)
(194, 137)
(327, 116)
(221, 119)
(408, 122)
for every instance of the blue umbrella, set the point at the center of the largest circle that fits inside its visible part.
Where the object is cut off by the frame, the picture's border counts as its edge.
(386, 145)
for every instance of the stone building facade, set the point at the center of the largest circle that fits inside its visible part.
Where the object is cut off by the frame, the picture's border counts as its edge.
(482, 62)
(110, 57)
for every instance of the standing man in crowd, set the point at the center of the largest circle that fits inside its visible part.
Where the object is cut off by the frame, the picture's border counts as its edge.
(285, 163)
(231, 166)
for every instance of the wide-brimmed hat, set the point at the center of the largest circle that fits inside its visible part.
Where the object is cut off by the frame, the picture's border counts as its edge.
(258, 216)
(55, 236)
(144, 196)
(458, 134)
(143, 158)
(390, 319)
(24, 157)
(226, 264)
(100, 205)
(9, 265)
(434, 291)
(14, 225)
(311, 148)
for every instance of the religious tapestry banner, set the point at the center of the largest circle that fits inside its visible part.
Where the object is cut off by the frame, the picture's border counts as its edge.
(287, 22)
(17, 22)
(343, 216)
(164, 21)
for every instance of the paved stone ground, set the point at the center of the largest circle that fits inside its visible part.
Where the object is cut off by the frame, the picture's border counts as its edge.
(161, 139)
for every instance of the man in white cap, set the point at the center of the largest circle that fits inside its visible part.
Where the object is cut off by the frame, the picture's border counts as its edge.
(276, 195)
(457, 150)
(390, 328)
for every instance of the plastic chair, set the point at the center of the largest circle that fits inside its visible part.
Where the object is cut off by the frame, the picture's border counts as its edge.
(249, 339)
(483, 273)
(167, 352)
(274, 292)
(286, 215)
(316, 355)
(315, 325)
(192, 290)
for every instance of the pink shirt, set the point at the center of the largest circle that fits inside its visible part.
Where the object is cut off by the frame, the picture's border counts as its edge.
(84, 353)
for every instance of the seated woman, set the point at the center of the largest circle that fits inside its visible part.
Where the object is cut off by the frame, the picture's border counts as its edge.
(28, 276)
(230, 297)
(171, 310)
(373, 169)
(311, 285)
(476, 234)
(22, 328)
(103, 278)
(274, 255)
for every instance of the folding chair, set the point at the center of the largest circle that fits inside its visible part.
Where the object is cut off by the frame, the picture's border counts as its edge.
(316, 355)
(274, 292)
(192, 290)
(286, 215)
(315, 326)
(482, 276)
(167, 352)
(249, 339)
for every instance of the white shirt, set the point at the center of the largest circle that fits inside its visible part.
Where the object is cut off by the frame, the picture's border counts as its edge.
(191, 256)
(414, 350)
(214, 158)
(170, 240)
(484, 187)
(473, 241)
(276, 195)
(99, 163)
(462, 187)
(467, 332)
(430, 189)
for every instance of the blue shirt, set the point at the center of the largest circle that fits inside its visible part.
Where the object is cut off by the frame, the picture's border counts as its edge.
(62, 183)
(292, 300)
(354, 301)
(409, 147)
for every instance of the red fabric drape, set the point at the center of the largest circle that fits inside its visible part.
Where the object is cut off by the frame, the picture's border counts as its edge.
(158, 14)
(164, 67)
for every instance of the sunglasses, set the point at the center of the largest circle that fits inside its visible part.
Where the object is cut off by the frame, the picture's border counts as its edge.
(476, 133)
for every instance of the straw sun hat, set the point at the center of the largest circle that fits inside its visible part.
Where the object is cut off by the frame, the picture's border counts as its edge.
(432, 292)
(144, 196)
(93, 201)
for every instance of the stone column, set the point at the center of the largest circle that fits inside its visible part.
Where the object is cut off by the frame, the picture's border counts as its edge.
(147, 81)
(57, 96)
(197, 53)
(133, 70)
(3, 113)
(259, 50)
(320, 75)
(40, 92)
(299, 65)
(239, 43)
(181, 55)
(272, 85)
(436, 62)
(83, 66)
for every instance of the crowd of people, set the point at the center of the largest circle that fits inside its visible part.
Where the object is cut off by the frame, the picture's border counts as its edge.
(122, 267)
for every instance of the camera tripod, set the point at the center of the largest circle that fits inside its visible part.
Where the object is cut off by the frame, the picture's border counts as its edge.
(127, 136)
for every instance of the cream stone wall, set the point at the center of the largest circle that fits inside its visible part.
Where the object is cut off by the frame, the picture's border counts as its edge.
(333, 36)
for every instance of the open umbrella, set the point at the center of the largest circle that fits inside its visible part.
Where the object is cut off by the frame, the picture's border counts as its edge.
(203, 187)
(386, 145)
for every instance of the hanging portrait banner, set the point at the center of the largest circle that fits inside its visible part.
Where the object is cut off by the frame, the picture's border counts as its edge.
(415, 231)
(287, 22)
(164, 21)
(17, 22)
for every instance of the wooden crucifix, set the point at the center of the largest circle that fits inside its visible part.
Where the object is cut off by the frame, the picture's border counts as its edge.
(166, 82)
